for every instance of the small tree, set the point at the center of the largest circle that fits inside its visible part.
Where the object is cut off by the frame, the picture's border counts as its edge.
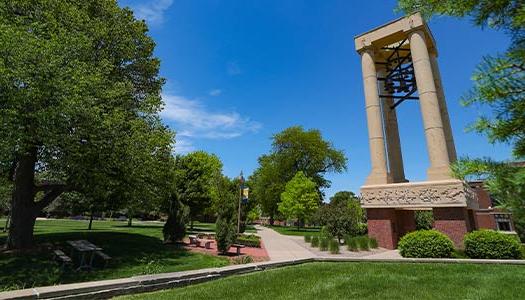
(174, 229)
(225, 226)
(300, 198)
(342, 216)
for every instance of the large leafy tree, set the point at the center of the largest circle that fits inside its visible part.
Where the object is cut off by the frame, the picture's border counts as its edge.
(294, 150)
(196, 175)
(79, 102)
(300, 198)
(499, 83)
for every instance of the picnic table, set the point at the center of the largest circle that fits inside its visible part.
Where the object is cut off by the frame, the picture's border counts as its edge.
(86, 251)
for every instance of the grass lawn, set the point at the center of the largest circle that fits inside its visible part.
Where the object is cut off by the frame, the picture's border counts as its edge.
(289, 230)
(135, 250)
(361, 281)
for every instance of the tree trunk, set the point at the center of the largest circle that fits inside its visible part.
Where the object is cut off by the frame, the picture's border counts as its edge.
(7, 221)
(271, 220)
(191, 224)
(90, 220)
(23, 208)
(130, 220)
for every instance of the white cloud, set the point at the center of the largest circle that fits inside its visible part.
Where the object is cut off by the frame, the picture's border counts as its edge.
(152, 11)
(183, 146)
(215, 92)
(192, 120)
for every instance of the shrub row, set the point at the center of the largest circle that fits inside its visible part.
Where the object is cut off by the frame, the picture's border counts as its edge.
(485, 244)
(249, 240)
(364, 243)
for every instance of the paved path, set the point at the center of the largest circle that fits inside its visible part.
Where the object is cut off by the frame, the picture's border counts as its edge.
(281, 247)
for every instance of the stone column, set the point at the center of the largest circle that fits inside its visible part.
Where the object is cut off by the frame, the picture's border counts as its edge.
(379, 173)
(393, 144)
(443, 108)
(428, 98)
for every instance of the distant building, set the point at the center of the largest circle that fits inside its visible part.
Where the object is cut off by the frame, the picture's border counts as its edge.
(487, 216)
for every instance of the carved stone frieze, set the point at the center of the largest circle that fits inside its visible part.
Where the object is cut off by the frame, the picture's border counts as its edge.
(446, 193)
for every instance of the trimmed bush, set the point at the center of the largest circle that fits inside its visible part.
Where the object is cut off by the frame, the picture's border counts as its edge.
(490, 244)
(334, 247)
(323, 244)
(315, 241)
(426, 243)
(249, 240)
(351, 242)
(363, 243)
(307, 238)
(373, 243)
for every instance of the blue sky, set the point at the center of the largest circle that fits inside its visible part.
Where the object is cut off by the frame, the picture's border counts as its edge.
(239, 71)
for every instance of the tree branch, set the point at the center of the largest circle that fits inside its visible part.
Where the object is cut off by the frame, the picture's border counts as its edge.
(50, 196)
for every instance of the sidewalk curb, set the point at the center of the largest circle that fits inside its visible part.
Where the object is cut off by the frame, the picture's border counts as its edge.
(148, 283)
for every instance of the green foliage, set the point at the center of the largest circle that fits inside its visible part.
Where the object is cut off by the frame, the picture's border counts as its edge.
(241, 260)
(504, 181)
(333, 246)
(323, 243)
(315, 241)
(300, 198)
(196, 176)
(249, 240)
(342, 216)
(294, 150)
(352, 244)
(174, 229)
(226, 225)
(253, 215)
(424, 219)
(363, 242)
(425, 244)
(307, 238)
(79, 102)
(491, 244)
(372, 243)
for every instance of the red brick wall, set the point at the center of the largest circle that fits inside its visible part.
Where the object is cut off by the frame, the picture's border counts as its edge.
(406, 222)
(452, 221)
(485, 220)
(382, 227)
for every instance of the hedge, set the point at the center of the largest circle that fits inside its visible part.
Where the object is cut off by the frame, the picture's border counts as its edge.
(426, 243)
(490, 244)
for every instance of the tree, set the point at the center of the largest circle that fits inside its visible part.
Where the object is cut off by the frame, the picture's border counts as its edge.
(300, 198)
(174, 229)
(196, 175)
(225, 226)
(294, 150)
(342, 216)
(78, 108)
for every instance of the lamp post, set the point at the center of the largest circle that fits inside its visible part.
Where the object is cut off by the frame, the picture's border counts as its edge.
(241, 187)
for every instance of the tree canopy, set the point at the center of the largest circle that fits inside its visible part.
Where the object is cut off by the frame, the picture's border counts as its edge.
(294, 150)
(300, 198)
(79, 103)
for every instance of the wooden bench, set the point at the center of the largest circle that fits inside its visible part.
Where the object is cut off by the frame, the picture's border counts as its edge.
(62, 258)
(239, 247)
(194, 240)
(106, 258)
(207, 243)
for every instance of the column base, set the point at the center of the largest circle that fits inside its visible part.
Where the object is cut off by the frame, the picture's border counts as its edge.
(452, 221)
(439, 173)
(382, 226)
(378, 178)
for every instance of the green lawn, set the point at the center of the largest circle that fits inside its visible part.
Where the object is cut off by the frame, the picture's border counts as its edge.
(288, 230)
(135, 250)
(361, 281)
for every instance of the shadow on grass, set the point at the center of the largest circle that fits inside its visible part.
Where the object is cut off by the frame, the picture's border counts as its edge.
(133, 254)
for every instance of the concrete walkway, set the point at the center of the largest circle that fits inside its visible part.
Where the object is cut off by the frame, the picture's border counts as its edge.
(280, 247)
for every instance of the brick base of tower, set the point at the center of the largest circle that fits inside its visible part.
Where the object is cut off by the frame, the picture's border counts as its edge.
(382, 226)
(452, 221)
